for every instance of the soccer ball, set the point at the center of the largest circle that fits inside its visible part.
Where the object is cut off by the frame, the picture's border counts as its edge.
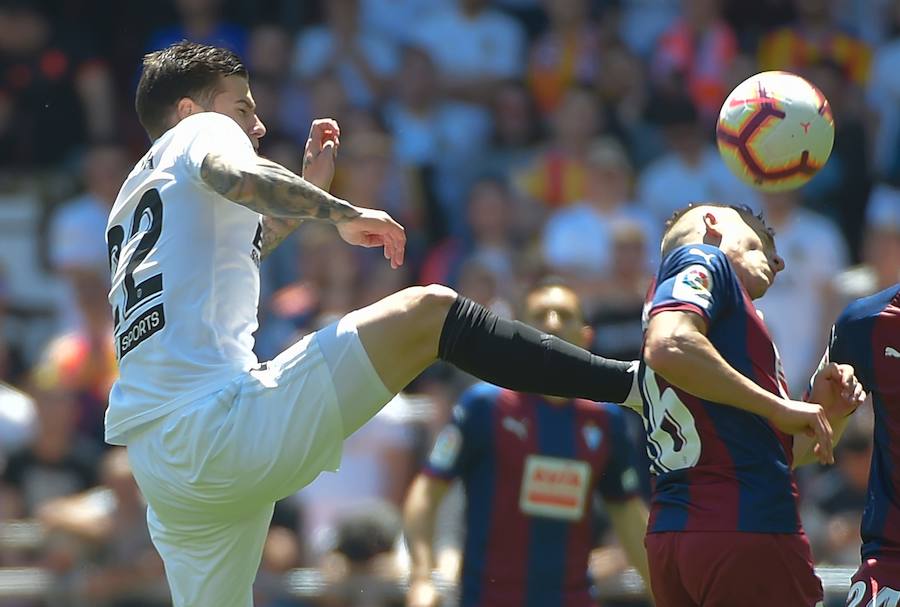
(775, 131)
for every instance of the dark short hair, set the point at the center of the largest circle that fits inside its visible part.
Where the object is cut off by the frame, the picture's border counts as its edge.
(754, 220)
(184, 69)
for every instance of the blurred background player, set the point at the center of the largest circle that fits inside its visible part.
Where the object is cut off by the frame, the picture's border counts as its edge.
(867, 336)
(531, 467)
(719, 419)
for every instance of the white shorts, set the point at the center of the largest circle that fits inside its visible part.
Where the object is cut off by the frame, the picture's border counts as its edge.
(212, 471)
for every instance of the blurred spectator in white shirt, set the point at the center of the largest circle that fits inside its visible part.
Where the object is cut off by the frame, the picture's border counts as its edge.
(474, 47)
(692, 170)
(796, 306)
(880, 267)
(578, 238)
(363, 60)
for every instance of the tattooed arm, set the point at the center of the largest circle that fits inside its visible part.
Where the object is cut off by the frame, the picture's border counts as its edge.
(274, 191)
(319, 156)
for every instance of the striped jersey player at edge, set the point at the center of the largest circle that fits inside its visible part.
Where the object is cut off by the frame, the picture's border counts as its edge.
(530, 466)
(724, 529)
(867, 336)
(214, 437)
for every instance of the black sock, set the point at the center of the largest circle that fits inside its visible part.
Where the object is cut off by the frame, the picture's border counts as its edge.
(513, 355)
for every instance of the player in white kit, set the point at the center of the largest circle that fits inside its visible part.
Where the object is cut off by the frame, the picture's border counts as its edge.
(215, 437)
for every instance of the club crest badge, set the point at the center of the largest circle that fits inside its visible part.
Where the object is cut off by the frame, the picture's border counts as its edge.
(593, 436)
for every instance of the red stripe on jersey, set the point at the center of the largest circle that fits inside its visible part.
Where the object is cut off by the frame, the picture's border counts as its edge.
(713, 490)
(769, 376)
(886, 334)
(506, 561)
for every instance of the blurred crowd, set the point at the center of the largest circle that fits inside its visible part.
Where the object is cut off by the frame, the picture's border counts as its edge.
(514, 139)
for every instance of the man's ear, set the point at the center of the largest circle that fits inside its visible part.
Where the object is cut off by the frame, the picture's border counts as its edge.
(185, 107)
(711, 235)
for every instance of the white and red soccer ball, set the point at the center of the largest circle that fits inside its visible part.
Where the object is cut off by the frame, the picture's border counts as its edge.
(775, 131)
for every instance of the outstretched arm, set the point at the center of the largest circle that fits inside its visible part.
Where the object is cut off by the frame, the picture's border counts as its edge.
(276, 192)
(272, 190)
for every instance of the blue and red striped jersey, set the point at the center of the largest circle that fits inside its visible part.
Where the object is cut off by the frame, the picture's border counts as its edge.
(530, 470)
(716, 467)
(867, 336)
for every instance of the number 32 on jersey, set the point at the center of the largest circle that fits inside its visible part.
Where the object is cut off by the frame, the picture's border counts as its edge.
(130, 298)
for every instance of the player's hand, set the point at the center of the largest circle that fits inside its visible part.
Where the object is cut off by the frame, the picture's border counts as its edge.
(321, 152)
(376, 229)
(422, 593)
(836, 387)
(796, 417)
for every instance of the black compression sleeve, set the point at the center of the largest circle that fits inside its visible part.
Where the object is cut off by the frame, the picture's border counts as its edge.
(513, 355)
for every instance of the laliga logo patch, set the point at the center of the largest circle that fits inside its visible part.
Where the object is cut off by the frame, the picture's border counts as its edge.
(694, 285)
(696, 278)
(593, 436)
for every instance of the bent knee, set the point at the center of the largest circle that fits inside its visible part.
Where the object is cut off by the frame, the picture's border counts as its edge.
(431, 299)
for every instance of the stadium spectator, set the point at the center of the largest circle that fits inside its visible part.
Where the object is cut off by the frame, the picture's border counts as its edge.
(695, 54)
(883, 98)
(490, 237)
(474, 47)
(362, 570)
(578, 239)
(617, 299)
(433, 136)
(557, 175)
(57, 461)
(516, 132)
(201, 21)
(814, 252)
(642, 22)
(392, 18)
(362, 60)
(108, 524)
(53, 88)
(880, 267)
(814, 37)
(623, 90)
(691, 169)
(833, 501)
(569, 52)
(78, 226)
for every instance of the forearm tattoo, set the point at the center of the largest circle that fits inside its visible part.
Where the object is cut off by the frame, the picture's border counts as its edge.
(274, 231)
(272, 190)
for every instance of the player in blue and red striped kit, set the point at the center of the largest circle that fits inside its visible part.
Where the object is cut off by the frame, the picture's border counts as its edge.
(724, 529)
(530, 466)
(867, 336)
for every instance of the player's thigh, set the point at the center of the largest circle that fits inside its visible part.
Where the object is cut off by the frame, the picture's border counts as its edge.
(876, 582)
(665, 576)
(749, 569)
(211, 563)
(400, 333)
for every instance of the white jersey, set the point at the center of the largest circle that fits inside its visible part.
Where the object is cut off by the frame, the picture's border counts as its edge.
(185, 277)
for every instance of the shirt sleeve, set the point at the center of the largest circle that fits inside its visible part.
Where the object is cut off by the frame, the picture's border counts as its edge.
(213, 132)
(620, 480)
(695, 279)
(461, 443)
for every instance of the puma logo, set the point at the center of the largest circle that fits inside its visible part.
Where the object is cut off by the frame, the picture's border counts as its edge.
(708, 257)
(892, 352)
(519, 428)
